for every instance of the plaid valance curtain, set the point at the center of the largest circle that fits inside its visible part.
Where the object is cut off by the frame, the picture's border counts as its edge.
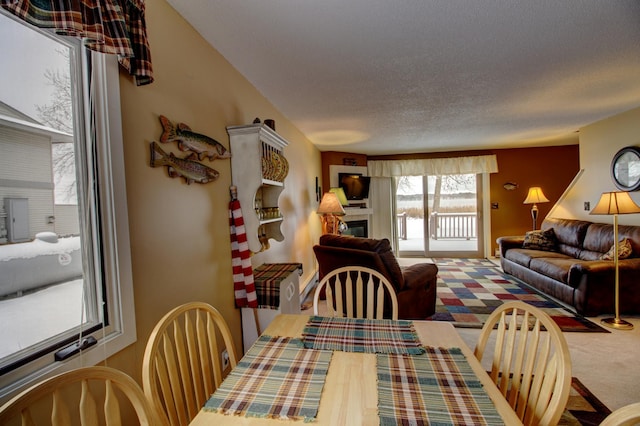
(108, 26)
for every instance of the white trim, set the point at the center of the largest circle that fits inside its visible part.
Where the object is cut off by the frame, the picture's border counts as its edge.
(115, 239)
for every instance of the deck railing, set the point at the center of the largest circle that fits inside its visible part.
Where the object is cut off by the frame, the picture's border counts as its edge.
(402, 225)
(453, 225)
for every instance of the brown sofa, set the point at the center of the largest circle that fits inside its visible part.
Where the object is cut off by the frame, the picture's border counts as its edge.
(415, 285)
(572, 271)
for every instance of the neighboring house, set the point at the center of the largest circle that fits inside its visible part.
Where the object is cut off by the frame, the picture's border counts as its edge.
(26, 173)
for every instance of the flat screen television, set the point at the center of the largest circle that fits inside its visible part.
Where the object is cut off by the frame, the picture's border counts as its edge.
(356, 186)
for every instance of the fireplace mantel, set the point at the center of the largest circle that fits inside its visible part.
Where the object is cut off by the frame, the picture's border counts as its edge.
(354, 213)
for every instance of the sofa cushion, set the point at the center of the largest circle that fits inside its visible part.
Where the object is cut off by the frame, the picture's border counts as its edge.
(556, 268)
(624, 250)
(524, 256)
(598, 239)
(570, 234)
(540, 240)
(382, 247)
(568, 231)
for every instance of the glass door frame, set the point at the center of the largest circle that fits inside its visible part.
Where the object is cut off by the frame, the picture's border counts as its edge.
(427, 253)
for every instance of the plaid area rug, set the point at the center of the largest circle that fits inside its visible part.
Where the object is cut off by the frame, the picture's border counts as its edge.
(583, 407)
(462, 262)
(468, 294)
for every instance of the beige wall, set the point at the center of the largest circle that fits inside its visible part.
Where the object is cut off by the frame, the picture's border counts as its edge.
(180, 233)
(599, 142)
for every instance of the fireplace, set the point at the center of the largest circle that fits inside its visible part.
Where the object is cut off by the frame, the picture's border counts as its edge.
(357, 228)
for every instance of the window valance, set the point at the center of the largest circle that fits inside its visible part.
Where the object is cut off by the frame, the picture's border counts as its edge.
(433, 166)
(109, 26)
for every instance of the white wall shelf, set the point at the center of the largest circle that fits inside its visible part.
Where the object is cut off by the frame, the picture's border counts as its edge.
(256, 151)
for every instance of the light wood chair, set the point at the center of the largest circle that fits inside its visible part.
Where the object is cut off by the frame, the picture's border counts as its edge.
(53, 398)
(628, 415)
(530, 366)
(356, 292)
(182, 365)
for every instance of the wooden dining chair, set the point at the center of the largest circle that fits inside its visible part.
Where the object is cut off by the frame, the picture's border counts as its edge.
(530, 362)
(628, 415)
(357, 292)
(87, 396)
(182, 364)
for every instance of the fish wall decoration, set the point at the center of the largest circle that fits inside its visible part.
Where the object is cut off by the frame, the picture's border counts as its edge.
(187, 140)
(187, 167)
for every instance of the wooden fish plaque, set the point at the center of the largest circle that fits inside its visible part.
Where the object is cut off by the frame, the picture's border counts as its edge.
(187, 168)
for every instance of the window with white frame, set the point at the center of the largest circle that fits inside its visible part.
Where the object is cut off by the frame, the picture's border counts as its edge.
(65, 269)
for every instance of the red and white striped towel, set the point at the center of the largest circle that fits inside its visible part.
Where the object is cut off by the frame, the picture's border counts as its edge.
(243, 284)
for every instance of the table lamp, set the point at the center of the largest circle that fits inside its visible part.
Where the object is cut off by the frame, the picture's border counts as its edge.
(342, 197)
(613, 204)
(534, 197)
(330, 208)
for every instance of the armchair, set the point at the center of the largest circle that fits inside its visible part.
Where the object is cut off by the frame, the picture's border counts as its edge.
(415, 285)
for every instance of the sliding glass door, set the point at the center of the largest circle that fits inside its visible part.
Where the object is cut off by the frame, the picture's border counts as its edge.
(410, 209)
(439, 216)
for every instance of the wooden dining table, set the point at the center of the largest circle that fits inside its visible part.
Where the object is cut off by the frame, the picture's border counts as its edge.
(350, 395)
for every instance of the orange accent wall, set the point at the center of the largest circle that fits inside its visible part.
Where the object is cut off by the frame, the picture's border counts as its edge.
(551, 168)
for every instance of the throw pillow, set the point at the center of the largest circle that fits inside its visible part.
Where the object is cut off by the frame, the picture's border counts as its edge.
(624, 250)
(540, 240)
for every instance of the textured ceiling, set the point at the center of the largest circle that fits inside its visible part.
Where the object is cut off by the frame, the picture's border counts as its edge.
(382, 76)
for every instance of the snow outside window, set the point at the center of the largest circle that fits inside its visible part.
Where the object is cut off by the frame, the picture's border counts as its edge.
(65, 270)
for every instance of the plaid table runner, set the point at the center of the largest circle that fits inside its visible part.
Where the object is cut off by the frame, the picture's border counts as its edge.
(267, 278)
(277, 379)
(361, 335)
(437, 388)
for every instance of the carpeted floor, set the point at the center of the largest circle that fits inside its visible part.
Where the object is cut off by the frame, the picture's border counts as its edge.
(470, 289)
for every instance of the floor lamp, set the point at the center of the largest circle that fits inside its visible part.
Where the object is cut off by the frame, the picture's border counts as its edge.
(613, 204)
(330, 208)
(534, 197)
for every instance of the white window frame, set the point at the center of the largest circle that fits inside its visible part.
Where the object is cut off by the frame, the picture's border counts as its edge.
(114, 242)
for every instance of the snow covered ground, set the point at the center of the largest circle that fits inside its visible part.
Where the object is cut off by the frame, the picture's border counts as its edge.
(29, 319)
(41, 284)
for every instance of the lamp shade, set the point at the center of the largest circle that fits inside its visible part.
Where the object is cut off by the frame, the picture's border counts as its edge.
(535, 196)
(342, 197)
(330, 204)
(611, 203)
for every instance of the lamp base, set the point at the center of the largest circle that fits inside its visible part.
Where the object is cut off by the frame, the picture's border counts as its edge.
(617, 323)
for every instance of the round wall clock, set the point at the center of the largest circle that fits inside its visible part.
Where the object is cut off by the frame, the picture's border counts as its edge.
(625, 169)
